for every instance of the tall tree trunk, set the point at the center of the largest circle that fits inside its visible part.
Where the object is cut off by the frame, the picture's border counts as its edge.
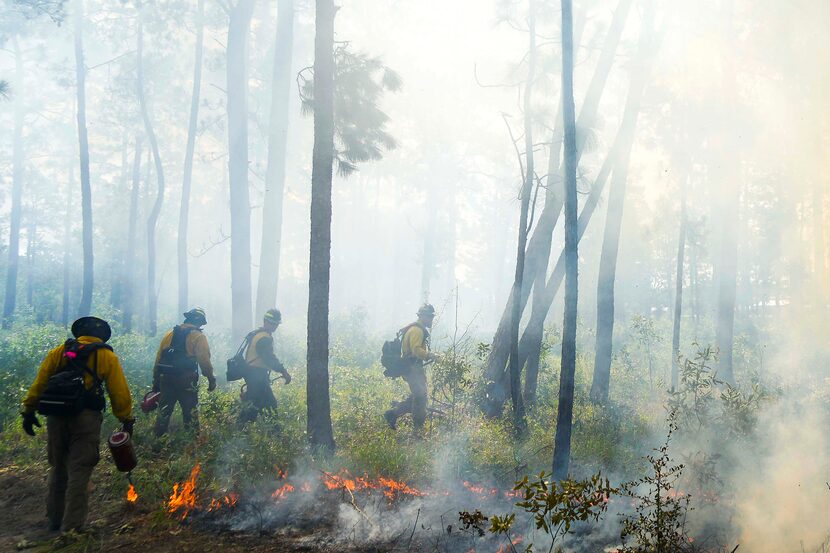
(152, 219)
(319, 408)
(539, 246)
(184, 207)
(613, 221)
(728, 177)
(132, 226)
(237, 75)
(519, 422)
(17, 192)
(564, 415)
(67, 245)
(269, 257)
(117, 268)
(678, 288)
(85, 306)
(31, 240)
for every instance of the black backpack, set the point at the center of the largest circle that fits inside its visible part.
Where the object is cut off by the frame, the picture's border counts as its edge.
(391, 357)
(65, 394)
(174, 359)
(238, 368)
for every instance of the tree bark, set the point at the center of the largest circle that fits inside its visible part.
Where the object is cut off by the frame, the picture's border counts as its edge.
(117, 268)
(319, 409)
(237, 77)
(613, 222)
(564, 415)
(184, 207)
(269, 257)
(67, 245)
(85, 306)
(519, 422)
(678, 289)
(538, 250)
(152, 219)
(132, 226)
(17, 192)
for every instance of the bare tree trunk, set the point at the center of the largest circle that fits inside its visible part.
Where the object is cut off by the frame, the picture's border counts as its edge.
(237, 75)
(132, 225)
(613, 222)
(519, 422)
(428, 262)
(728, 176)
(31, 240)
(564, 415)
(678, 290)
(538, 250)
(152, 219)
(319, 407)
(85, 306)
(17, 192)
(184, 207)
(117, 268)
(67, 244)
(269, 257)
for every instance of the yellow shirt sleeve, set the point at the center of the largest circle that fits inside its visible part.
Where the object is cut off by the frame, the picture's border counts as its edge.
(414, 343)
(111, 372)
(47, 368)
(198, 345)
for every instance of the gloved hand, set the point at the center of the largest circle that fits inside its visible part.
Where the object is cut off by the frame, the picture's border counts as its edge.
(29, 422)
(211, 383)
(286, 376)
(127, 426)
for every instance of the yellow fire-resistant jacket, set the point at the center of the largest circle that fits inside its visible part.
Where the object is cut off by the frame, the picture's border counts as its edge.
(414, 343)
(260, 352)
(196, 346)
(109, 371)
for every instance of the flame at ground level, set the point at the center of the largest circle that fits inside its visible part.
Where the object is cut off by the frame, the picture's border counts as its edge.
(132, 496)
(184, 495)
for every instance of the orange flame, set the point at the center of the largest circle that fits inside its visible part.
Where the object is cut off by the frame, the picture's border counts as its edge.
(282, 491)
(132, 496)
(184, 495)
(227, 501)
(389, 487)
(514, 542)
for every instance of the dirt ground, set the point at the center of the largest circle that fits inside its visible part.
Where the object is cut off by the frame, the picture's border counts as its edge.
(117, 526)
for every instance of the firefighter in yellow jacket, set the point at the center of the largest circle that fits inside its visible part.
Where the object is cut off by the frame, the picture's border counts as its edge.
(261, 360)
(73, 425)
(182, 352)
(415, 348)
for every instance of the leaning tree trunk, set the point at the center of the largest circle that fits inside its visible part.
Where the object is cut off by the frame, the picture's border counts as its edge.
(269, 257)
(132, 226)
(237, 76)
(564, 415)
(519, 422)
(85, 306)
(539, 246)
(319, 408)
(613, 220)
(184, 207)
(678, 289)
(152, 219)
(17, 192)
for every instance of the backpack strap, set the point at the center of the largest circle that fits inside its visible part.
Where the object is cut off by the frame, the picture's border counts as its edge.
(78, 362)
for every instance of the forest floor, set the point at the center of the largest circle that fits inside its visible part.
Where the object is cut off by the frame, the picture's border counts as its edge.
(118, 526)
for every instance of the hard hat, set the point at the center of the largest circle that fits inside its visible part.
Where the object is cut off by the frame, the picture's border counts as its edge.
(92, 326)
(196, 316)
(273, 316)
(426, 310)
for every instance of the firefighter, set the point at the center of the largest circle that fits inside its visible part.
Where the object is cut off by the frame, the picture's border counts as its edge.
(74, 431)
(415, 349)
(182, 352)
(257, 395)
